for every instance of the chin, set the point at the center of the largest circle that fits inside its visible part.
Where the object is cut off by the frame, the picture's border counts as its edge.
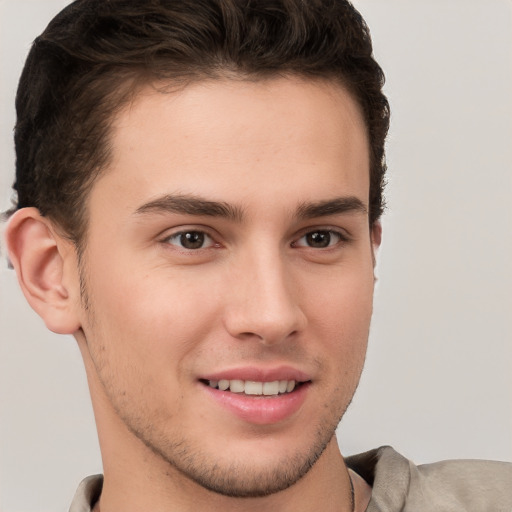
(245, 479)
(261, 469)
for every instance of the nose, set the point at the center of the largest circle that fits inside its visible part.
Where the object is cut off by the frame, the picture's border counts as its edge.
(264, 301)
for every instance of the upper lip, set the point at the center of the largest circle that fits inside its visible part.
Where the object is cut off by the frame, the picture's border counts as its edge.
(259, 374)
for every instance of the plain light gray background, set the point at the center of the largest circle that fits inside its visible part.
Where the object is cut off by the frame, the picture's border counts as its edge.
(437, 383)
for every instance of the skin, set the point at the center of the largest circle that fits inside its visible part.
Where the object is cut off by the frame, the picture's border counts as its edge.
(154, 317)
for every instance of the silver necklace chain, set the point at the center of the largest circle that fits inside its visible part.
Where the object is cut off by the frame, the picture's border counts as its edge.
(352, 493)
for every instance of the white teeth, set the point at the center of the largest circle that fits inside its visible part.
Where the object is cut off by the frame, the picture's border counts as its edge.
(271, 388)
(237, 386)
(254, 388)
(223, 384)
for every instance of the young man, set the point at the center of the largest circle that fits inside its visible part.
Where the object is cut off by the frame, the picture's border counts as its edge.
(199, 193)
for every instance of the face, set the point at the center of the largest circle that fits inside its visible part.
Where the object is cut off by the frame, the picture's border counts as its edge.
(229, 278)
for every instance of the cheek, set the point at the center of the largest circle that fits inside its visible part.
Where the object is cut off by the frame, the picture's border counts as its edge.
(346, 301)
(343, 313)
(156, 317)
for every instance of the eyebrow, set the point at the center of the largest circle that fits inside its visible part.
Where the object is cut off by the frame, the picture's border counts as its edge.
(191, 205)
(198, 206)
(336, 206)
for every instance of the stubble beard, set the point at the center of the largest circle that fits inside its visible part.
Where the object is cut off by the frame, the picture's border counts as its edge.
(189, 459)
(238, 478)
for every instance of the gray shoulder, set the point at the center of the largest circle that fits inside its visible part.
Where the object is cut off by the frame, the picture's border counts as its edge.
(447, 486)
(469, 485)
(87, 494)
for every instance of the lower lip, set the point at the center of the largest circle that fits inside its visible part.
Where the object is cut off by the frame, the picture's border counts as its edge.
(261, 409)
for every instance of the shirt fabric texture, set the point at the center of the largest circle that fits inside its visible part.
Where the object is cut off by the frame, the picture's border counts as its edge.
(398, 485)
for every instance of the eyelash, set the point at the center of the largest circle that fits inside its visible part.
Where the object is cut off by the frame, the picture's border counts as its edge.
(340, 237)
(184, 233)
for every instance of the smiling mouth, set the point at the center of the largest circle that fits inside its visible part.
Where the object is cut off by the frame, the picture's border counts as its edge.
(255, 388)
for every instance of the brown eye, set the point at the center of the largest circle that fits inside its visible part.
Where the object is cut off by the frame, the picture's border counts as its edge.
(191, 240)
(320, 239)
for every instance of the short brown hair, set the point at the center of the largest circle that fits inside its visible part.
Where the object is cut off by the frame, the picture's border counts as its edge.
(95, 55)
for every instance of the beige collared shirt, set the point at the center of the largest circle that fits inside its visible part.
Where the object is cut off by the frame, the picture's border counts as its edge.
(400, 486)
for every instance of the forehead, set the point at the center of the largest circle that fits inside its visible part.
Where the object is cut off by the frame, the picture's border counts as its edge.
(233, 138)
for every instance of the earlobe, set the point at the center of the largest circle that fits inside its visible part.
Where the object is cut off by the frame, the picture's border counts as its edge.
(38, 256)
(376, 235)
(376, 239)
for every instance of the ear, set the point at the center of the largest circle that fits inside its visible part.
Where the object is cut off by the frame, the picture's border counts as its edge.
(376, 239)
(45, 263)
